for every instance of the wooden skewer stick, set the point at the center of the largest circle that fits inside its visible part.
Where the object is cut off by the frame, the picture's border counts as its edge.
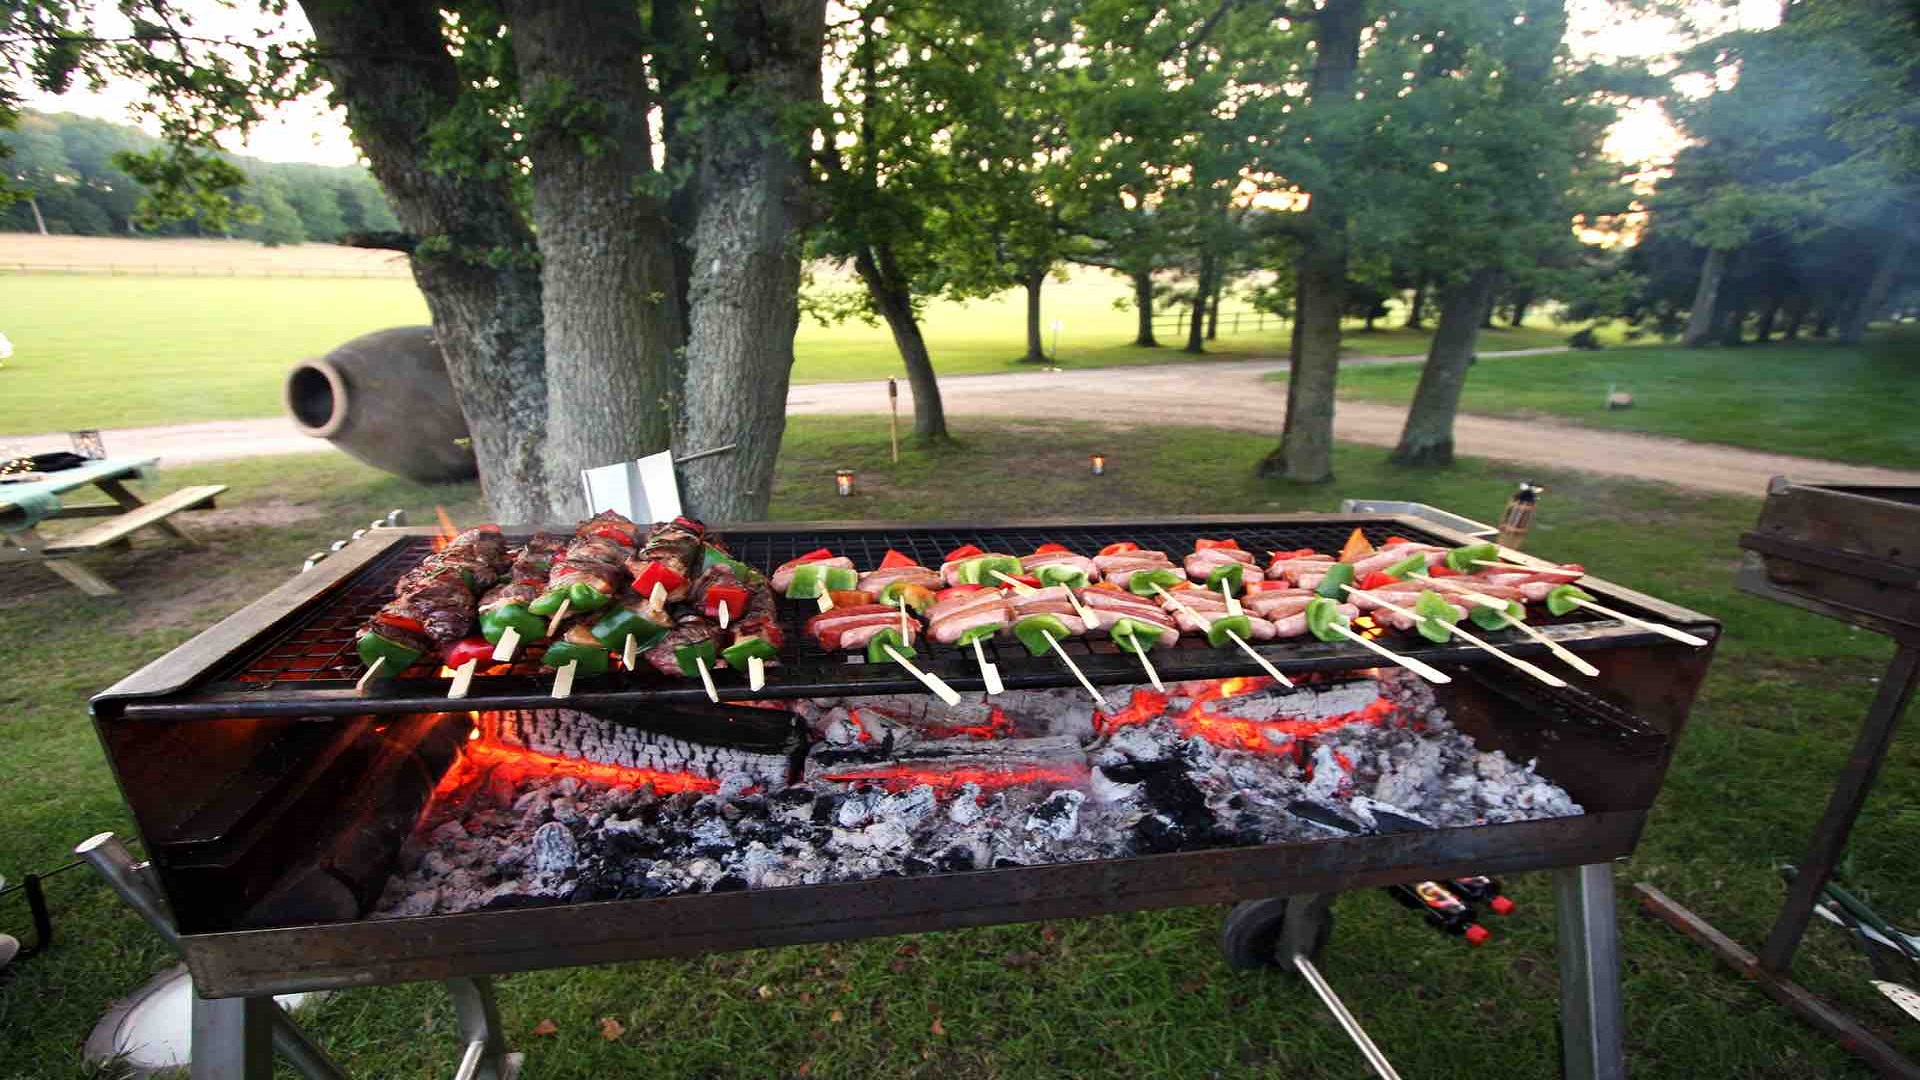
(824, 601)
(630, 653)
(989, 671)
(1233, 602)
(756, 674)
(1425, 671)
(1075, 668)
(658, 597)
(706, 679)
(903, 617)
(1153, 675)
(373, 672)
(723, 614)
(553, 624)
(1519, 569)
(932, 682)
(508, 644)
(1019, 586)
(463, 678)
(1677, 635)
(563, 678)
(1085, 613)
(1532, 669)
(1499, 605)
(1237, 639)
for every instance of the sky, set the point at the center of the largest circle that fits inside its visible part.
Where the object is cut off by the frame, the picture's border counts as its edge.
(311, 130)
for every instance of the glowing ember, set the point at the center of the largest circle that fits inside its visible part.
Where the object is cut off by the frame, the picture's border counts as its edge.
(947, 781)
(1231, 732)
(447, 531)
(998, 725)
(483, 756)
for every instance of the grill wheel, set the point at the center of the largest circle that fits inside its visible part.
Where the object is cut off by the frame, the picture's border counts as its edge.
(1250, 936)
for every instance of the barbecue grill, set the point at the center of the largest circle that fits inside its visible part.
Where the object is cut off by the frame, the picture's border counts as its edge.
(272, 798)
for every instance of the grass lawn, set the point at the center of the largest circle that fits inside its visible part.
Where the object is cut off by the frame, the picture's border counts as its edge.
(96, 350)
(1143, 994)
(1845, 403)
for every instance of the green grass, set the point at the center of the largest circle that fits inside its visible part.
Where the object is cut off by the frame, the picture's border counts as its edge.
(104, 351)
(1844, 403)
(1142, 994)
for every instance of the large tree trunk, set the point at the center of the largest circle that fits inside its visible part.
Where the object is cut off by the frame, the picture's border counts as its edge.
(1036, 346)
(1854, 327)
(40, 223)
(1213, 306)
(1768, 316)
(744, 289)
(1197, 314)
(1427, 438)
(389, 67)
(877, 268)
(1305, 453)
(1143, 310)
(1706, 300)
(1797, 307)
(614, 326)
(1521, 302)
(1415, 308)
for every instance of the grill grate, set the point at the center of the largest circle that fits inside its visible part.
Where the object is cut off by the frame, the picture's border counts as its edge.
(314, 651)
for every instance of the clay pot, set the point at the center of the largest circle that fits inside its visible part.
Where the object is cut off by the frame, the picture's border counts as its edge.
(384, 397)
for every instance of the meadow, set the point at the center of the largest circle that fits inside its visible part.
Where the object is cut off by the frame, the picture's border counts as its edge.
(98, 349)
(1135, 995)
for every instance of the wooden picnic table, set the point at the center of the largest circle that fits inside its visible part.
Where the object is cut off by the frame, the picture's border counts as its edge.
(25, 504)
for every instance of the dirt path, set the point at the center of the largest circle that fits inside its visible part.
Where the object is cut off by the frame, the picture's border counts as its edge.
(1226, 394)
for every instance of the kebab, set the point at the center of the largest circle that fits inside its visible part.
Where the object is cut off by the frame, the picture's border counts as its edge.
(968, 565)
(590, 573)
(900, 581)
(740, 601)
(898, 578)
(434, 604)
(1042, 617)
(887, 633)
(1135, 624)
(1329, 620)
(969, 615)
(669, 559)
(504, 619)
(1222, 629)
(1215, 563)
(1055, 564)
(1118, 563)
(1435, 619)
(815, 575)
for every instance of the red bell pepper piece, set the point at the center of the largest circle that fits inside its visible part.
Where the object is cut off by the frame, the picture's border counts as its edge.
(814, 556)
(735, 596)
(1120, 548)
(657, 573)
(401, 622)
(1203, 544)
(1052, 549)
(1378, 580)
(1267, 586)
(1024, 579)
(964, 551)
(607, 530)
(957, 590)
(894, 558)
(1443, 570)
(472, 648)
(1296, 553)
(1392, 540)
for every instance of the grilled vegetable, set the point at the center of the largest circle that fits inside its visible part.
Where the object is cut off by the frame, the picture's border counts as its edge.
(1033, 630)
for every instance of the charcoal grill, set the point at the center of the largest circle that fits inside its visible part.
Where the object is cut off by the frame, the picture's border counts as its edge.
(245, 754)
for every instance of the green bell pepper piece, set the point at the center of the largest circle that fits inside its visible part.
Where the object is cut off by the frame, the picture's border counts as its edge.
(1033, 630)
(980, 571)
(841, 578)
(1561, 599)
(494, 624)
(684, 655)
(1135, 635)
(1410, 565)
(623, 622)
(809, 581)
(876, 646)
(1495, 618)
(1462, 558)
(1142, 582)
(1217, 630)
(890, 595)
(1436, 617)
(978, 633)
(581, 595)
(1232, 573)
(737, 654)
(1322, 616)
(374, 647)
(592, 659)
(1062, 574)
(1339, 575)
(711, 557)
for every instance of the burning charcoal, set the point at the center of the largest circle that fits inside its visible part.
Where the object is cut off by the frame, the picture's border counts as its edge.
(966, 806)
(909, 806)
(1059, 816)
(554, 850)
(856, 811)
(1330, 777)
(729, 883)
(956, 858)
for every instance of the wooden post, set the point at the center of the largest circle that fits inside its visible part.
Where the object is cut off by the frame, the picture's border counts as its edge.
(893, 423)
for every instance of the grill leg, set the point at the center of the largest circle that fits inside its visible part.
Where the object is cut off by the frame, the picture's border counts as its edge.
(1591, 1036)
(479, 1015)
(233, 1038)
(1849, 795)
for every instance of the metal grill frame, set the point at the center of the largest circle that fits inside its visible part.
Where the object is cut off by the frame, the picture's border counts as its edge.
(217, 675)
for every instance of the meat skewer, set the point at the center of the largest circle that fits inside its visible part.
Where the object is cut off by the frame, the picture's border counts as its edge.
(504, 618)
(1224, 629)
(1042, 617)
(1327, 621)
(886, 633)
(1503, 610)
(670, 558)
(1437, 620)
(1054, 564)
(434, 606)
(1214, 562)
(590, 572)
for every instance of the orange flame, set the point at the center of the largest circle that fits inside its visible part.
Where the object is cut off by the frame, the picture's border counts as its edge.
(447, 531)
(483, 756)
(1234, 733)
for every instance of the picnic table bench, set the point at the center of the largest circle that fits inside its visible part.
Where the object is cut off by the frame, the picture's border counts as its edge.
(24, 505)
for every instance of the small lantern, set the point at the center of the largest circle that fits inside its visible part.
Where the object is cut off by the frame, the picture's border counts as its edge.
(1099, 464)
(88, 443)
(843, 482)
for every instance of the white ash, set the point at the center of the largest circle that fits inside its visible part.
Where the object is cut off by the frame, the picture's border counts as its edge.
(507, 838)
